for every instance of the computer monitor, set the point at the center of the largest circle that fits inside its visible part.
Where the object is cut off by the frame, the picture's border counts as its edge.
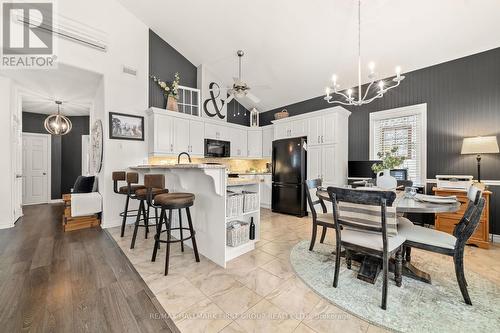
(361, 169)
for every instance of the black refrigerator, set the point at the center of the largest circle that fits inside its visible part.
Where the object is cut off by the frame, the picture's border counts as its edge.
(289, 174)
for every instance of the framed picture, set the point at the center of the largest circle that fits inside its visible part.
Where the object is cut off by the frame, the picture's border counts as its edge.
(126, 127)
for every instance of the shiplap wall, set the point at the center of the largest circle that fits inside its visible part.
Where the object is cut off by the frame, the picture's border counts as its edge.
(463, 99)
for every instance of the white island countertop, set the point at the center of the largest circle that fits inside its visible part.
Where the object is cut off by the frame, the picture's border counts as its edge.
(180, 166)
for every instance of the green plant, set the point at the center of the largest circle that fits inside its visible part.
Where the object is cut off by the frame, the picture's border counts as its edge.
(168, 90)
(390, 160)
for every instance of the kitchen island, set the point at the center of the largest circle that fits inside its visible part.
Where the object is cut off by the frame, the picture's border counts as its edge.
(209, 183)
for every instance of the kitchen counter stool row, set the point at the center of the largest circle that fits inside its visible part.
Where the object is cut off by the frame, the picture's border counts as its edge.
(154, 194)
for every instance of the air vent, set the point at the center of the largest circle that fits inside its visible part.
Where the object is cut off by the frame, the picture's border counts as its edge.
(129, 70)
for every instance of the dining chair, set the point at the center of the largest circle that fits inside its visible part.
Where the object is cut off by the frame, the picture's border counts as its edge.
(319, 219)
(362, 226)
(451, 245)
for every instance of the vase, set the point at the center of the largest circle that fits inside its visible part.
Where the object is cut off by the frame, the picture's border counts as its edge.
(385, 181)
(172, 104)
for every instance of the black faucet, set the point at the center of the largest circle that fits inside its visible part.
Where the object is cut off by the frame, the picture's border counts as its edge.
(179, 157)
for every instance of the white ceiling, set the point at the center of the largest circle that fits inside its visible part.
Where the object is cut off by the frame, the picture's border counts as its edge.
(75, 87)
(294, 46)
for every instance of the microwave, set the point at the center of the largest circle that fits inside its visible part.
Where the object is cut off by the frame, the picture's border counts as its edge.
(217, 148)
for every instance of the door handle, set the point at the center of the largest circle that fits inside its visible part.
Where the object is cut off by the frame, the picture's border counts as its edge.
(19, 176)
(44, 173)
(322, 139)
(318, 138)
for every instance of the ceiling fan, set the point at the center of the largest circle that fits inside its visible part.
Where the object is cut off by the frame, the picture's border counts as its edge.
(240, 89)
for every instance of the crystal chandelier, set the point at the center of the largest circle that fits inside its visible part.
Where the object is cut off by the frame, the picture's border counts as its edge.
(370, 94)
(57, 124)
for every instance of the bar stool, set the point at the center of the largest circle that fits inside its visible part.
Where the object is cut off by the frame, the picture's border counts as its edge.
(132, 179)
(153, 185)
(171, 201)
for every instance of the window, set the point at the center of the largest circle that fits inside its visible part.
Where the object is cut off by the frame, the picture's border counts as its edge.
(189, 100)
(404, 128)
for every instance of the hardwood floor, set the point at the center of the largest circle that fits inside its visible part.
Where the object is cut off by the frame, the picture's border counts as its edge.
(80, 281)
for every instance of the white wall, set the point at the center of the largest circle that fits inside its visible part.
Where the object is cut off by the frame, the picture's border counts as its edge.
(127, 40)
(6, 105)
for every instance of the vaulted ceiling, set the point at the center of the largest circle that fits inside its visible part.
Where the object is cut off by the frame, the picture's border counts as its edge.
(294, 46)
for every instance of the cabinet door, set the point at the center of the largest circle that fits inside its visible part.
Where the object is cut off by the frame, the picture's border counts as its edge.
(298, 128)
(329, 130)
(329, 165)
(196, 140)
(267, 141)
(265, 187)
(313, 162)
(181, 135)
(163, 137)
(281, 131)
(238, 139)
(254, 143)
(211, 131)
(314, 132)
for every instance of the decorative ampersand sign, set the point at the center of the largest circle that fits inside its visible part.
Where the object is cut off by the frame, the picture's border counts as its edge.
(214, 86)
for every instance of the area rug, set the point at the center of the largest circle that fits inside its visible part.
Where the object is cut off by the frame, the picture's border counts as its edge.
(415, 307)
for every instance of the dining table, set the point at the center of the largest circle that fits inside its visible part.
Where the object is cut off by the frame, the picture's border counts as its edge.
(370, 266)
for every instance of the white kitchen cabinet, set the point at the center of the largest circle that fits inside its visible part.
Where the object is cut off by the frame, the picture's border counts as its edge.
(196, 137)
(314, 162)
(329, 129)
(315, 129)
(265, 189)
(298, 128)
(267, 141)
(238, 139)
(254, 143)
(161, 135)
(290, 128)
(217, 132)
(181, 135)
(329, 165)
(281, 130)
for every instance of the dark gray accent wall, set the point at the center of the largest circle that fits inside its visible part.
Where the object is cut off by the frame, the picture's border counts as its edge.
(164, 62)
(463, 99)
(71, 151)
(66, 151)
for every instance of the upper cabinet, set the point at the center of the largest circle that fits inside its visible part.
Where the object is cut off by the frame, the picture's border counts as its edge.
(290, 128)
(217, 132)
(238, 141)
(254, 143)
(267, 141)
(322, 129)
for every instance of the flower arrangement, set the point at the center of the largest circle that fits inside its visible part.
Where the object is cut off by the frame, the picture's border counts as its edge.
(168, 90)
(390, 160)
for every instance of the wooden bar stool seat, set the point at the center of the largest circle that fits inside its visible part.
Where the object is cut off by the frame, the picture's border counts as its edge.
(171, 201)
(133, 189)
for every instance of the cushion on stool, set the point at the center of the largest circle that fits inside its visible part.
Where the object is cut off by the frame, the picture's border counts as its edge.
(133, 188)
(142, 193)
(176, 199)
(427, 236)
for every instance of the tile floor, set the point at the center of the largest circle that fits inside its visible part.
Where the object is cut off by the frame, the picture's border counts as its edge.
(257, 292)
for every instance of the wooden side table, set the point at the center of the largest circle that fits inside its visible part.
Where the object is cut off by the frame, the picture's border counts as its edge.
(74, 223)
(446, 221)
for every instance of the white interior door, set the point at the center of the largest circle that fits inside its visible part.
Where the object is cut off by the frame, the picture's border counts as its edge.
(36, 152)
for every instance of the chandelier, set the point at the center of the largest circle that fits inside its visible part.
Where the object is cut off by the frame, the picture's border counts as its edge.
(57, 124)
(370, 94)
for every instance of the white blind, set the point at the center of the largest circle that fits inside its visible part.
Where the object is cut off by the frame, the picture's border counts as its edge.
(405, 133)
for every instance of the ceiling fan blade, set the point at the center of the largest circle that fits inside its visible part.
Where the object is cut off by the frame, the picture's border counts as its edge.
(253, 98)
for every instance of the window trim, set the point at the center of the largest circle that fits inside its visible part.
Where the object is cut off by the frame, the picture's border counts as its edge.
(417, 109)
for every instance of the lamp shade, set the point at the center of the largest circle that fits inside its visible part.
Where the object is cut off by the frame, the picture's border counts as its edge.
(480, 145)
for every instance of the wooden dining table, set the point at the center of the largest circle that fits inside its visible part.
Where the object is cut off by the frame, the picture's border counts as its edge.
(370, 266)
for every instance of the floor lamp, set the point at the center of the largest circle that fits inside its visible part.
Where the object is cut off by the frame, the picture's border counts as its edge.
(480, 145)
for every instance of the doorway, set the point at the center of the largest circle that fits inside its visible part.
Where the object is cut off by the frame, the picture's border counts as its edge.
(36, 168)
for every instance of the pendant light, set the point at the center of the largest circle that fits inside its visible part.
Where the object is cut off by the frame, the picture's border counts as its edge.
(57, 124)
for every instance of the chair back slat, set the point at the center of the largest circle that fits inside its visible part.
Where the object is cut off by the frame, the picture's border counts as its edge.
(366, 210)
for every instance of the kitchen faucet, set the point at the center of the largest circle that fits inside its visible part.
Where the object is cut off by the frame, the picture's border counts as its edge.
(179, 157)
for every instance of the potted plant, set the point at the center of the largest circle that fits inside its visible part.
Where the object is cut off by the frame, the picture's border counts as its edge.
(171, 92)
(390, 160)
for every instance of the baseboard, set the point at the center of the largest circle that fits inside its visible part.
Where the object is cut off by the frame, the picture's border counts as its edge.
(495, 238)
(6, 225)
(54, 201)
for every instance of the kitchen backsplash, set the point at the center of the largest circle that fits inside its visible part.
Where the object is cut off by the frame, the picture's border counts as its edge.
(234, 165)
